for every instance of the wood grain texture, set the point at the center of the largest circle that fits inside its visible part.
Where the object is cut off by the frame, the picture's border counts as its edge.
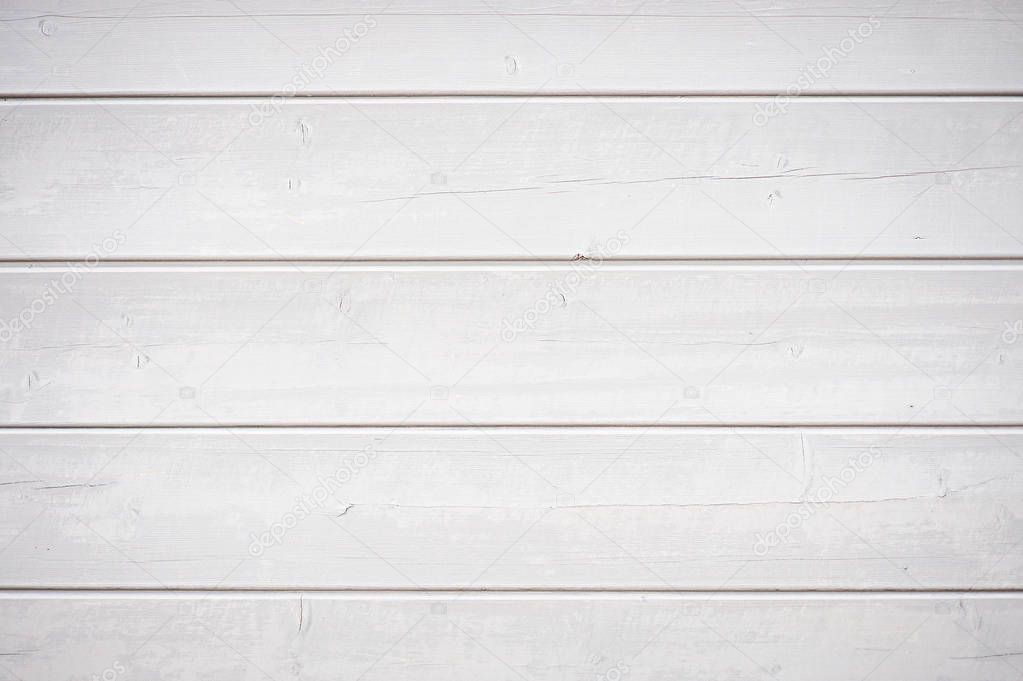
(463, 46)
(572, 508)
(708, 343)
(538, 637)
(512, 178)
(511, 339)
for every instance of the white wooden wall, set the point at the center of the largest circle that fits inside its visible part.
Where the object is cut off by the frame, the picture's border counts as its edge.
(506, 339)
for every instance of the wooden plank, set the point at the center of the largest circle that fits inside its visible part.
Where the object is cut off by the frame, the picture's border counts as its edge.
(537, 637)
(461, 46)
(513, 508)
(511, 178)
(707, 343)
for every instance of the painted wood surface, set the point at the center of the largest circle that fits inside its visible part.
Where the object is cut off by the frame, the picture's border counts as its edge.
(511, 178)
(533, 636)
(507, 339)
(708, 343)
(633, 47)
(574, 508)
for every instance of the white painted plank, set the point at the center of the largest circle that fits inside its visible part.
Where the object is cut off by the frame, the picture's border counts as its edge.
(465, 46)
(513, 508)
(536, 637)
(707, 343)
(511, 178)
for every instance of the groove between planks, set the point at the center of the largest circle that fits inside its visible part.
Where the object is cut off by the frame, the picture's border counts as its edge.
(511, 261)
(477, 425)
(546, 96)
(707, 595)
(321, 266)
(550, 94)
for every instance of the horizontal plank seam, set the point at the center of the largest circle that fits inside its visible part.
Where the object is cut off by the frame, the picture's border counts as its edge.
(975, 425)
(483, 14)
(409, 425)
(564, 94)
(498, 594)
(795, 259)
(23, 266)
